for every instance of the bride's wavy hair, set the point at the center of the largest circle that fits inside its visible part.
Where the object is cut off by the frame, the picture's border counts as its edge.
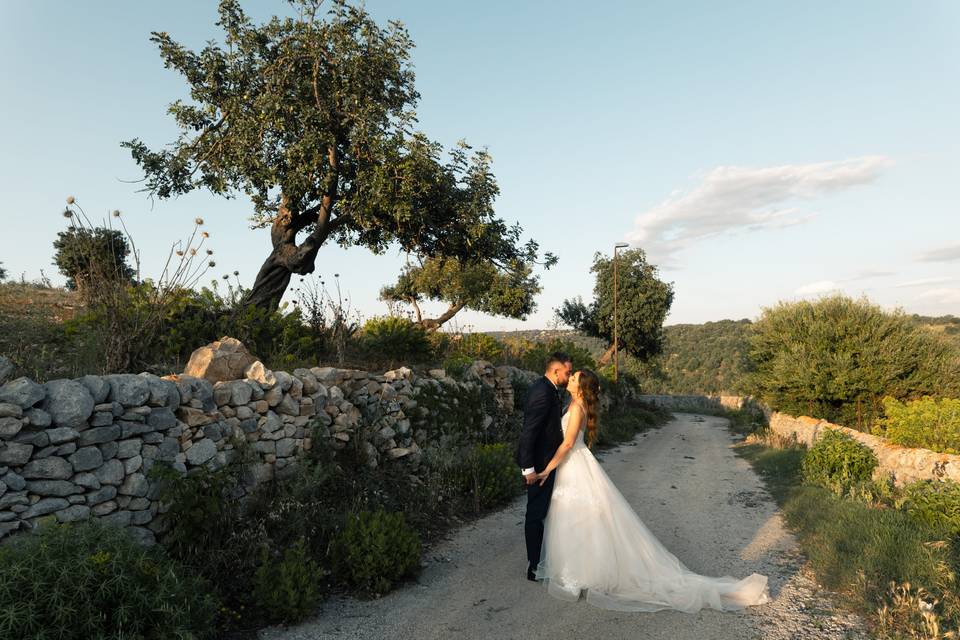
(589, 385)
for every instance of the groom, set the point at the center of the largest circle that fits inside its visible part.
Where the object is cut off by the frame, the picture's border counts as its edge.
(539, 440)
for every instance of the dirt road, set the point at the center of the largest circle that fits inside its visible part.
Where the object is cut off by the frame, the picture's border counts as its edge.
(704, 503)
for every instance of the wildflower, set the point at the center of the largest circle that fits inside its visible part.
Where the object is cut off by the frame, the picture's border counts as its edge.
(67, 213)
(225, 276)
(236, 273)
(71, 200)
(180, 253)
(198, 221)
(336, 275)
(116, 213)
(212, 263)
(204, 234)
(209, 252)
(193, 252)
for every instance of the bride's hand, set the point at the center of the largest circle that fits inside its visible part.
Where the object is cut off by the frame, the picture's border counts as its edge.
(542, 477)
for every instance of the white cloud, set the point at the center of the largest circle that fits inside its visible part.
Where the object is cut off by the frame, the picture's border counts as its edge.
(923, 282)
(942, 295)
(943, 254)
(732, 199)
(823, 286)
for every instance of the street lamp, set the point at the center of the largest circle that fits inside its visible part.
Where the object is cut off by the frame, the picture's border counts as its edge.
(619, 245)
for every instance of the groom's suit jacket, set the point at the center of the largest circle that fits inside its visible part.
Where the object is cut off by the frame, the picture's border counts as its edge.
(541, 435)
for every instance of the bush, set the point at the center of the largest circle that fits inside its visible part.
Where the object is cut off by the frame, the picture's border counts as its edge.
(488, 475)
(532, 356)
(623, 423)
(836, 358)
(395, 338)
(837, 462)
(928, 423)
(935, 504)
(479, 346)
(374, 550)
(88, 580)
(288, 586)
(87, 256)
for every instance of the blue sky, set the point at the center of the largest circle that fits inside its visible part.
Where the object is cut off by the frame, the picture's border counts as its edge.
(758, 151)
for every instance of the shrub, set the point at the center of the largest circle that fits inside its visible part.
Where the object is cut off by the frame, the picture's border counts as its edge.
(532, 356)
(479, 346)
(488, 475)
(87, 580)
(928, 423)
(623, 423)
(88, 255)
(457, 364)
(374, 550)
(836, 358)
(935, 504)
(287, 587)
(837, 461)
(395, 338)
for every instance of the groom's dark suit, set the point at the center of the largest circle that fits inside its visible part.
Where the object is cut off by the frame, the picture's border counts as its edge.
(539, 440)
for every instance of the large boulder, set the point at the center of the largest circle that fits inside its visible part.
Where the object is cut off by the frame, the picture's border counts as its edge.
(69, 403)
(225, 359)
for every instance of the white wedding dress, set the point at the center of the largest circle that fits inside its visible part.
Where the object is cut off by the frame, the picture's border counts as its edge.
(595, 543)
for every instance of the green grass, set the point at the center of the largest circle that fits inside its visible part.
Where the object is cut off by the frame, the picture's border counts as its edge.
(623, 424)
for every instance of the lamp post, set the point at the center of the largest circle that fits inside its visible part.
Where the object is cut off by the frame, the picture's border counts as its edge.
(619, 245)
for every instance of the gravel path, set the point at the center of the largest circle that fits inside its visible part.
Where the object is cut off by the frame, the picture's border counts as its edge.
(702, 501)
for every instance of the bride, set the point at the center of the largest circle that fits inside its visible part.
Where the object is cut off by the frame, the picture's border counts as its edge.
(595, 543)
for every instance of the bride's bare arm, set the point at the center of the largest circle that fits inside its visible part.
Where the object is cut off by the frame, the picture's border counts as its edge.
(574, 424)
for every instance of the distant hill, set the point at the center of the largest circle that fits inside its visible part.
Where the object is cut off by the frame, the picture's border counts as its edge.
(711, 357)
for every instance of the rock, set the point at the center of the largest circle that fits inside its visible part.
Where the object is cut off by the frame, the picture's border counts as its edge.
(240, 392)
(9, 410)
(9, 427)
(403, 373)
(289, 406)
(104, 508)
(43, 507)
(225, 359)
(128, 448)
(52, 468)
(158, 390)
(437, 374)
(259, 373)
(22, 392)
(6, 369)
(284, 380)
(201, 451)
(132, 465)
(117, 519)
(59, 488)
(193, 417)
(14, 481)
(100, 434)
(142, 536)
(161, 418)
(286, 447)
(74, 513)
(273, 396)
(111, 472)
(86, 480)
(135, 485)
(128, 389)
(109, 449)
(62, 434)
(101, 495)
(38, 418)
(398, 452)
(98, 387)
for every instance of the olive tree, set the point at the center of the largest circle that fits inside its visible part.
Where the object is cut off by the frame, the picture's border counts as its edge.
(312, 117)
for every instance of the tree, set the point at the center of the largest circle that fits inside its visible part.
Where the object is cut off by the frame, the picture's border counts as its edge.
(643, 301)
(311, 118)
(481, 286)
(85, 254)
(836, 358)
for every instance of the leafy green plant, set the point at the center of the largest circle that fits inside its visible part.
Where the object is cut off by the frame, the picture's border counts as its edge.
(287, 587)
(929, 423)
(936, 504)
(395, 338)
(479, 346)
(836, 461)
(87, 255)
(488, 475)
(88, 580)
(374, 550)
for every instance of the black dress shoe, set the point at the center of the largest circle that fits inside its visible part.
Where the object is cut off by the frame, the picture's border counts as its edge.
(531, 576)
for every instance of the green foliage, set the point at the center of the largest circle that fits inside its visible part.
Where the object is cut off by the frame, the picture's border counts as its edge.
(479, 346)
(837, 357)
(854, 547)
(836, 461)
(288, 586)
(626, 421)
(313, 117)
(375, 550)
(928, 423)
(935, 504)
(643, 303)
(87, 580)
(507, 290)
(88, 255)
(488, 474)
(395, 338)
(532, 355)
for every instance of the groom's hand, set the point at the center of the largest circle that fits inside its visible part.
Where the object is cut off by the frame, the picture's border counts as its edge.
(530, 478)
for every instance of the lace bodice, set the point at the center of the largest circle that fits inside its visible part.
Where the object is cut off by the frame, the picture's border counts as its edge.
(563, 426)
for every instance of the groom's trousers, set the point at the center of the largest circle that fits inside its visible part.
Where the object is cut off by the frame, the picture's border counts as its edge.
(538, 501)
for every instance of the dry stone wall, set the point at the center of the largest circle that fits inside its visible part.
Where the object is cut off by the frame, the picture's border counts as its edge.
(77, 449)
